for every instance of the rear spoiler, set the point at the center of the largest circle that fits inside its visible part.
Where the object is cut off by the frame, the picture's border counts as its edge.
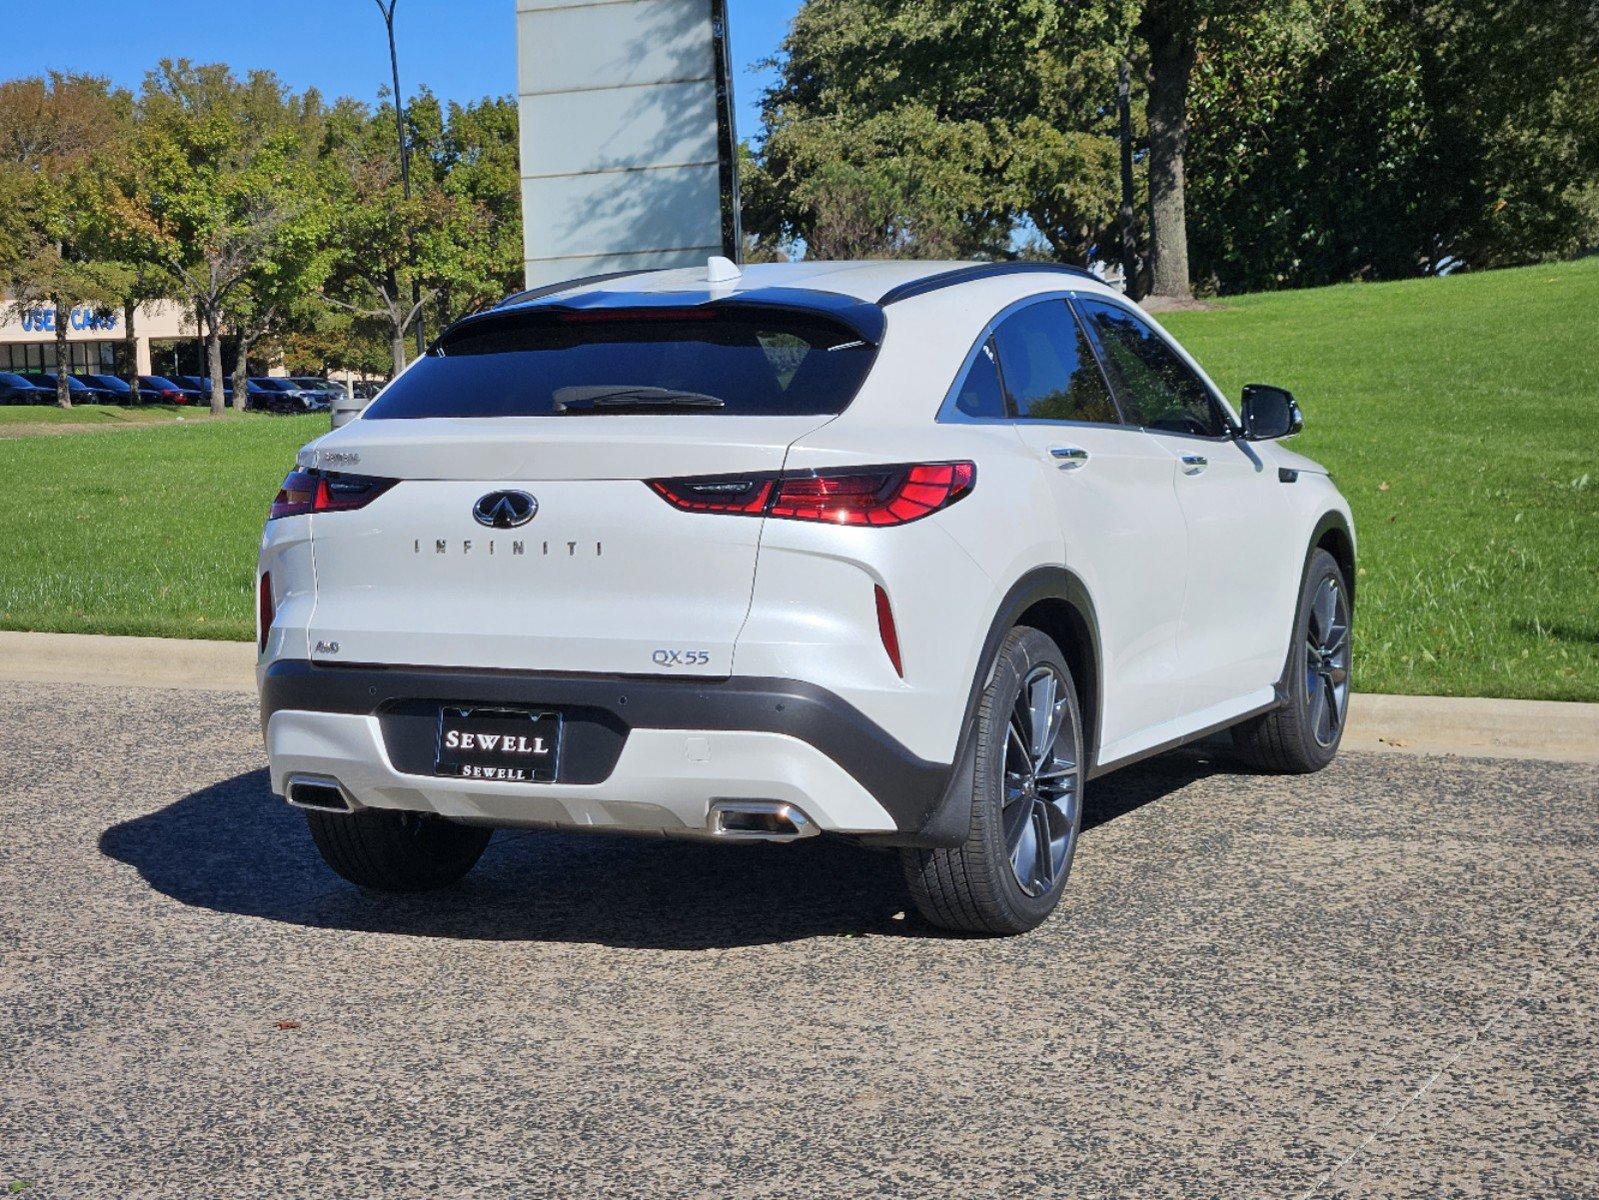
(862, 317)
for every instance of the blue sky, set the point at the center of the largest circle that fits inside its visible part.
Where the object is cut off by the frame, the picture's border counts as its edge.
(462, 49)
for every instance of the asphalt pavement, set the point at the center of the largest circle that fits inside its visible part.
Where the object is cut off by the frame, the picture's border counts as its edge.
(1378, 981)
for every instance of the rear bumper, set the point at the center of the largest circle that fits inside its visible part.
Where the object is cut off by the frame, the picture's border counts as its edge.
(642, 754)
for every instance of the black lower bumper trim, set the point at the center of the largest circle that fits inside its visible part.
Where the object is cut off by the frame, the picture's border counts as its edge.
(908, 787)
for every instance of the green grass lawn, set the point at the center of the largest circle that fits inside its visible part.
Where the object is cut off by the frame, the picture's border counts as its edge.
(98, 414)
(1460, 416)
(147, 531)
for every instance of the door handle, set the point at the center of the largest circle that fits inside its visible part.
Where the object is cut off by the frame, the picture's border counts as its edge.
(1068, 458)
(1193, 464)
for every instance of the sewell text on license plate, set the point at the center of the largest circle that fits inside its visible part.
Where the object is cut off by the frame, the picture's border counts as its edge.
(499, 744)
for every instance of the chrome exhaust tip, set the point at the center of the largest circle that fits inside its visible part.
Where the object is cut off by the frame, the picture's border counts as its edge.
(322, 793)
(760, 821)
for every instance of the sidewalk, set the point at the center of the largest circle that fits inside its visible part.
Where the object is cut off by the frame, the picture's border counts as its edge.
(1535, 729)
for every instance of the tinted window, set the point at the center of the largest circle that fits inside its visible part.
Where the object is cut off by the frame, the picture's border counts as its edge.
(981, 394)
(1049, 368)
(678, 361)
(1156, 388)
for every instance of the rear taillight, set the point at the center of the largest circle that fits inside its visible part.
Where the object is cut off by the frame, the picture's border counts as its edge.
(265, 612)
(747, 495)
(876, 496)
(307, 492)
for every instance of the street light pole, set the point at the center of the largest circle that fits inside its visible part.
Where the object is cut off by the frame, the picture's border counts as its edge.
(387, 9)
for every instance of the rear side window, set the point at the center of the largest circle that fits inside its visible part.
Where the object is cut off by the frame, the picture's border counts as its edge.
(1049, 368)
(688, 361)
(981, 395)
(1157, 389)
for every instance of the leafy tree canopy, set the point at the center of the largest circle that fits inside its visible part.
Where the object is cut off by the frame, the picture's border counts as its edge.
(907, 126)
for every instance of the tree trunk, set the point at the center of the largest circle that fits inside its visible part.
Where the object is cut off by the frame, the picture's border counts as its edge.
(130, 342)
(392, 296)
(63, 355)
(241, 375)
(1171, 61)
(213, 363)
(397, 348)
(1127, 214)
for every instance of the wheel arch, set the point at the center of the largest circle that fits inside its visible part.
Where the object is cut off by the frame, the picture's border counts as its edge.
(1069, 621)
(1056, 602)
(1333, 534)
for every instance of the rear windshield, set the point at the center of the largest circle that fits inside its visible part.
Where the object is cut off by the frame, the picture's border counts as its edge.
(695, 361)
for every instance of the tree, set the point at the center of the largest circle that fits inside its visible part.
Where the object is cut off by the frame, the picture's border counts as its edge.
(52, 253)
(1170, 29)
(385, 241)
(279, 293)
(145, 280)
(472, 153)
(1172, 32)
(1376, 139)
(219, 179)
(942, 128)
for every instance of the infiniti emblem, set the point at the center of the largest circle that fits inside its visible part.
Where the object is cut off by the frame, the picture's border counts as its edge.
(505, 510)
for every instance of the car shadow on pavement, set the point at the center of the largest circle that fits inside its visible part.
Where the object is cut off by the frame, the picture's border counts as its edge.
(233, 847)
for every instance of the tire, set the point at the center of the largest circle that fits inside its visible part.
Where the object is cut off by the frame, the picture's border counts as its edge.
(1303, 734)
(976, 887)
(396, 851)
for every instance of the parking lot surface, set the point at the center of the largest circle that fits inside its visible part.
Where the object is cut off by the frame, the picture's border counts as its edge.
(1378, 981)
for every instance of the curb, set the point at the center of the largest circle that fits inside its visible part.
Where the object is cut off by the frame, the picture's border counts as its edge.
(1548, 730)
(1471, 727)
(127, 661)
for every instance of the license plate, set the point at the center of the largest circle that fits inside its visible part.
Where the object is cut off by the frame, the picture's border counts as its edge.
(499, 744)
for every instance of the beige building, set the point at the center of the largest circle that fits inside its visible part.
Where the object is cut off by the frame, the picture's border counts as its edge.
(96, 338)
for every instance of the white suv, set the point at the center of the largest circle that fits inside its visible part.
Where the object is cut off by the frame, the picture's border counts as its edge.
(905, 552)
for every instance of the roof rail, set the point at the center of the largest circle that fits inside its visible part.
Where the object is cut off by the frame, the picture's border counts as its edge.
(551, 289)
(957, 275)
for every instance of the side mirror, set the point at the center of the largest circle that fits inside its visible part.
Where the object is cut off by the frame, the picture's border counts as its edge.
(1270, 413)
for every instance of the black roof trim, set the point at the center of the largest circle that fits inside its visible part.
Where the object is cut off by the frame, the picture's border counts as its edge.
(554, 289)
(958, 275)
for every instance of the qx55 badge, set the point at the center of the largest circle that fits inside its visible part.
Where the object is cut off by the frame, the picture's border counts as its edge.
(505, 510)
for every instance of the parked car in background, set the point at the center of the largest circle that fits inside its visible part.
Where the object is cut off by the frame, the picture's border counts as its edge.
(203, 386)
(263, 395)
(158, 389)
(111, 389)
(273, 394)
(366, 389)
(325, 390)
(80, 392)
(18, 389)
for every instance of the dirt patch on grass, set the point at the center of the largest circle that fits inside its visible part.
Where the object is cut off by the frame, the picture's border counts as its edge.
(1165, 304)
(26, 429)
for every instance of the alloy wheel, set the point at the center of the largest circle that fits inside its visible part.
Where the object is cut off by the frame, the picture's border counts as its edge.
(1042, 785)
(1327, 662)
